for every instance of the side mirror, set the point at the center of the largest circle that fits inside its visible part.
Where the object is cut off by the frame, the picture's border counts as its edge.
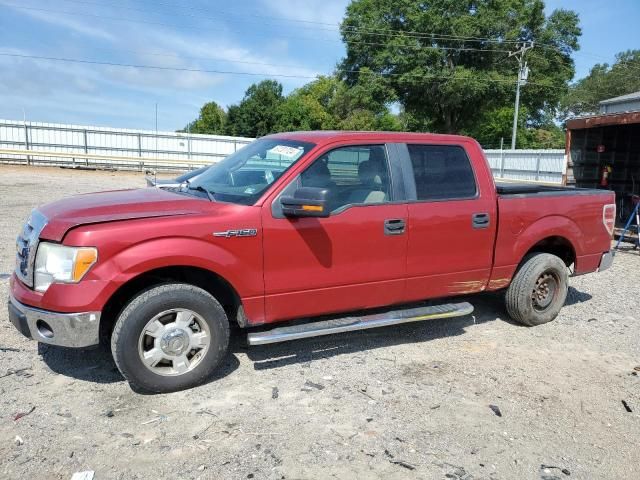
(306, 202)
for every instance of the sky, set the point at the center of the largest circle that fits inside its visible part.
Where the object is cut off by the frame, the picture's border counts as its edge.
(289, 40)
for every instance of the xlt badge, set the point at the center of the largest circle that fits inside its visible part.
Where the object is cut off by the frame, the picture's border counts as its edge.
(244, 232)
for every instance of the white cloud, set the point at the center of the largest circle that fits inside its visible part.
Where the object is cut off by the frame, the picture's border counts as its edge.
(152, 79)
(30, 77)
(178, 49)
(323, 11)
(86, 93)
(66, 22)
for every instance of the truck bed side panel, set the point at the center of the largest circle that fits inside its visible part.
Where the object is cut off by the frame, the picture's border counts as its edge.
(525, 220)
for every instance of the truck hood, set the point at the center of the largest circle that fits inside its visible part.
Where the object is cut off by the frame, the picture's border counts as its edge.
(71, 212)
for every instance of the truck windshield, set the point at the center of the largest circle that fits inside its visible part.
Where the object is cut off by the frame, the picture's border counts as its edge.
(244, 175)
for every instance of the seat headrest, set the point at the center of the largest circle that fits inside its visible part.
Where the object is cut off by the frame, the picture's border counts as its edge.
(369, 173)
(317, 175)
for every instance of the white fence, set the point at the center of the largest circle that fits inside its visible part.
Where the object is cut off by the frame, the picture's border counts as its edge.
(548, 166)
(118, 148)
(100, 147)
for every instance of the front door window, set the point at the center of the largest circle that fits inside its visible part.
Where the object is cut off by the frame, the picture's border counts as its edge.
(354, 175)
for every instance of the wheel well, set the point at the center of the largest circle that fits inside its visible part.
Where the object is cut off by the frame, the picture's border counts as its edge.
(200, 277)
(558, 246)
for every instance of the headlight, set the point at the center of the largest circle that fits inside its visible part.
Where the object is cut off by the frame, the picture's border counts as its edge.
(58, 263)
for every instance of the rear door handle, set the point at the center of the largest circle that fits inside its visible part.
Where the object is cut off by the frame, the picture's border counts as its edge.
(394, 226)
(480, 220)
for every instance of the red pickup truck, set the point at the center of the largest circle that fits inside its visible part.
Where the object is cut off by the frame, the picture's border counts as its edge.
(306, 225)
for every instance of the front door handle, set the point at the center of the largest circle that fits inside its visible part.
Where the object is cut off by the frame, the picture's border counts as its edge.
(394, 226)
(480, 220)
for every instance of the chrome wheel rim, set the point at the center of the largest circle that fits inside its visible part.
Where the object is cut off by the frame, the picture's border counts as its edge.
(174, 342)
(544, 291)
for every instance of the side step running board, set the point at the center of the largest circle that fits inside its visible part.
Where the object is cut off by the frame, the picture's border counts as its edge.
(348, 324)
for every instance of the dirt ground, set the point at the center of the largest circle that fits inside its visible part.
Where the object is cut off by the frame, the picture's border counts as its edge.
(415, 401)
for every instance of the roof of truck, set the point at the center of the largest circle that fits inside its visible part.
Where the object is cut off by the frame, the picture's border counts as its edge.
(326, 136)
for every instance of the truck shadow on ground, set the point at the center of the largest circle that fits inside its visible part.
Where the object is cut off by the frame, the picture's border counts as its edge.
(488, 307)
(94, 365)
(576, 296)
(97, 365)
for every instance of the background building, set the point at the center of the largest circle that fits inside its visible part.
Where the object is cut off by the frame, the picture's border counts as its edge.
(604, 150)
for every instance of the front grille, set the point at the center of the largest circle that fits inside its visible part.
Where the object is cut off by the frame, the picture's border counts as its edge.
(27, 245)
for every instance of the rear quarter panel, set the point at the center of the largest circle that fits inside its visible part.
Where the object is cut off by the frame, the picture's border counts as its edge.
(525, 220)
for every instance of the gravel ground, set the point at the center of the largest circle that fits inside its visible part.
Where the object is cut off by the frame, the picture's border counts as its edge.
(415, 401)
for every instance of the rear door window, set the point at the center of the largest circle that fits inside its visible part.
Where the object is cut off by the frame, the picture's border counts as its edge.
(442, 172)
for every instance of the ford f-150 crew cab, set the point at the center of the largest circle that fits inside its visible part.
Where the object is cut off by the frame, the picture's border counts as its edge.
(353, 229)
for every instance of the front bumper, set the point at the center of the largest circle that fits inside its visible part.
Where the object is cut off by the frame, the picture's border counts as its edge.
(606, 261)
(75, 330)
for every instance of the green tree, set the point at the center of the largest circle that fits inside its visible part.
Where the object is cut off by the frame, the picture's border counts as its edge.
(307, 108)
(550, 137)
(257, 114)
(604, 81)
(329, 103)
(496, 124)
(364, 105)
(211, 120)
(445, 84)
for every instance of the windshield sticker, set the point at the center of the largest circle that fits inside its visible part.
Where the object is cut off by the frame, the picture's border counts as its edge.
(285, 151)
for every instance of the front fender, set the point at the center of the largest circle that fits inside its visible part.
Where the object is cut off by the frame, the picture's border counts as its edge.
(115, 268)
(183, 251)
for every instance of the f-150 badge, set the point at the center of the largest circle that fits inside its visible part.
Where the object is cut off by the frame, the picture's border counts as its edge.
(245, 232)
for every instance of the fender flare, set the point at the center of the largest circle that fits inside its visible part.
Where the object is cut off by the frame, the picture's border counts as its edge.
(135, 260)
(546, 227)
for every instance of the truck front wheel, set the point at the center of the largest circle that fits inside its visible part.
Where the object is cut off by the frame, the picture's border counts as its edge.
(538, 290)
(169, 338)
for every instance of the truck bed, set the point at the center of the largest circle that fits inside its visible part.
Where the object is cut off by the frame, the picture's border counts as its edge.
(528, 213)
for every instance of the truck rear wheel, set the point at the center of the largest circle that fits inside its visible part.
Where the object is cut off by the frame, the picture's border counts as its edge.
(538, 290)
(169, 338)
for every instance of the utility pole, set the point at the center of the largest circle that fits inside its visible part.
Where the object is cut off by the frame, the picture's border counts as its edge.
(155, 170)
(523, 74)
(26, 134)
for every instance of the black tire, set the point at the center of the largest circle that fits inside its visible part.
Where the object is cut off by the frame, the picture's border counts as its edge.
(141, 309)
(525, 299)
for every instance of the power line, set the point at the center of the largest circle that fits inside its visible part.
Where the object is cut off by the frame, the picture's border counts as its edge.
(217, 12)
(424, 77)
(417, 47)
(121, 18)
(387, 32)
(384, 32)
(337, 26)
(632, 65)
(198, 57)
(379, 32)
(434, 48)
(153, 67)
(130, 20)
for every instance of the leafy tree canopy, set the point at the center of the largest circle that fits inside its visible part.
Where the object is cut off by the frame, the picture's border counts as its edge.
(211, 120)
(603, 82)
(443, 65)
(256, 115)
(496, 124)
(445, 84)
(330, 104)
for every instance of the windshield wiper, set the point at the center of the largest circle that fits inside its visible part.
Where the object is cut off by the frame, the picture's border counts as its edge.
(200, 188)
